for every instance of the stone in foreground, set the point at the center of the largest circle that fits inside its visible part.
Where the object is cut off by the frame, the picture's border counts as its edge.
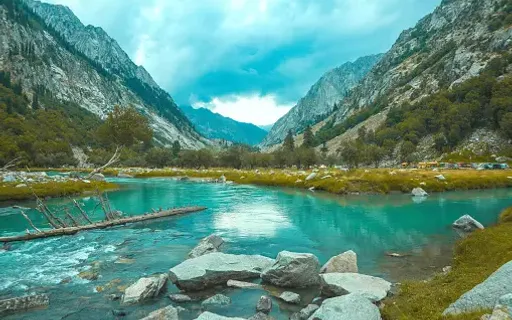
(207, 245)
(467, 223)
(216, 300)
(23, 303)
(486, 294)
(217, 268)
(212, 316)
(243, 284)
(144, 289)
(345, 262)
(167, 313)
(293, 270)
(338, 284)
(180, 298)
(419, 192)
(264, 305)
(349, 307)
(261, 316)
(503, 310)
(290, 297)
(305, 313)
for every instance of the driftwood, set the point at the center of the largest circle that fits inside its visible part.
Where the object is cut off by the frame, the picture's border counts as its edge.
(100, 225)
(11, 164)
(114, 159)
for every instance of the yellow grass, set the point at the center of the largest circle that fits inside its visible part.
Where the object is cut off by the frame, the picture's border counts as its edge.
(8, 191)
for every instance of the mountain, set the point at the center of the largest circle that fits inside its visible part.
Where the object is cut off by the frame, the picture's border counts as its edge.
(267, 127)
(47, 49)
(320, 99)
(460, 40)
(215, 126)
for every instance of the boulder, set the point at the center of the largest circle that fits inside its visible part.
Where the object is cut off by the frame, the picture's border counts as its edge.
(222, 179)
(207, 245)
(345, 262)
(212, 316)
(144, 289)
(293, 270)
(217, 268)
(503, 309)
(167, 313)
(338, 284)
(180, 298)
(216, 300)
(21, 185)
(486, 294)
(290, 297)
(261, 316)
(467, 223)
(305, 313)
(349, 307)
(311, 176)
(264, 305)
(98, 177)
(419, 192)
(243, 284)
(18, 304)
(440, 177)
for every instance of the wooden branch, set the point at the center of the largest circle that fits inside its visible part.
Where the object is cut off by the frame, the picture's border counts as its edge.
(48, 218)
(11, 164)
(101, 225)
(74, 222)
(114, 159)
(30, 221)
(82, 212)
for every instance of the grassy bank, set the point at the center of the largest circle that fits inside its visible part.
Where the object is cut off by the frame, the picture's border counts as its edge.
(379, 181)
(475, 259)
(53, 189)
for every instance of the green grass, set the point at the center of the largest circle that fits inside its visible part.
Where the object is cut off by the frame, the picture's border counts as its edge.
(373, 181)
(475, 259)
(506, 215)
(8, 191)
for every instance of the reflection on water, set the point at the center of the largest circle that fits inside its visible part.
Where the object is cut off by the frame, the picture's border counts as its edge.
(252, 221)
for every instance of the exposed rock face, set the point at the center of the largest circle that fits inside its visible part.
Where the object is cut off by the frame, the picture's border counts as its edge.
(349, 307)
(293, 270)
(486, 294)
(212, 316)
(216, 300)
(264, 305)
(345, 262)
(338, 284)
(217, 268)
(83, 65)
(207, 245)
(23, 303)
(167, 313)
(320, 100)
(467, 223)
(144, 289)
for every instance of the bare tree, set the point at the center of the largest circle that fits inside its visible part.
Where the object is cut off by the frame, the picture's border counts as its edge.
(114, 159)
(11, 164)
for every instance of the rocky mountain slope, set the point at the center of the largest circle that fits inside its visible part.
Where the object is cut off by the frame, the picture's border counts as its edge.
(215, 126)
(451, 45)
(47, 49)
(320, 99)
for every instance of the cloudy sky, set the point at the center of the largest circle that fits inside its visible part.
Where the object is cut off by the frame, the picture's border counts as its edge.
(248, 59)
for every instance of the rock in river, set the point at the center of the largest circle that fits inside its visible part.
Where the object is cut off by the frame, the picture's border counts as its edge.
(180, 298)
(349, 307)
(23, 303)
(338, 284)
(419, 192)
(345, 262)
(467, 223)
(212, 316)
(243, 285)
(486, 294)
(167, 313)
(264, 305)
(290, 297)
(144, 289)
(217, 268)
(209, 244)
(216, 300)
(293, 270)
(305, 313)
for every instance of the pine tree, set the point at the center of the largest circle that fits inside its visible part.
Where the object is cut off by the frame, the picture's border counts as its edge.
(289, 143)
(176, 148)
(309, 138)
(35, 102)
(324, 149)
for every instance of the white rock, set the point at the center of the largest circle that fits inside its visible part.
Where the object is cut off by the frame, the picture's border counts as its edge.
(212, 316)
(167, 313)
(290, 297)
(216, 300)
(311, 176)
(419, 192)
(243, 284)
(345, 262)
(207, 245)
(467, 223)
(337, 284)
(22, 185)
(144, 289)
(349, 307)
(440, 177)
(293, 270)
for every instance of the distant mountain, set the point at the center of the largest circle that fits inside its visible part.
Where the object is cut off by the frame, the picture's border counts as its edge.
(49, 51)
(267, 127)
(215, 126)
(320, 100)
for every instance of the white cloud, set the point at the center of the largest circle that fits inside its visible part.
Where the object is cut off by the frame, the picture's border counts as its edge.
(260, 110)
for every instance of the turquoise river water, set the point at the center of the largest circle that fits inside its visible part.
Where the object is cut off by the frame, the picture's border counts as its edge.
(252, 220)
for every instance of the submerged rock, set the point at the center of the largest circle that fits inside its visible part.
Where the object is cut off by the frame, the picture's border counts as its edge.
(216, 300)
(167, 313)
(207, 245)
(212, 316)
(290, 297)
(338, 284)
(264, 305)
(345, 262)
(144, 289)
(243, 285)
(419, 192)
(217, 268)
(486, 294)
(349, 307)
(467, 223)
(293, 270)
(180, 298)
(24, 303)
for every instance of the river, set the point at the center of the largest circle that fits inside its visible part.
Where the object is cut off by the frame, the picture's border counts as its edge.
(252, 220)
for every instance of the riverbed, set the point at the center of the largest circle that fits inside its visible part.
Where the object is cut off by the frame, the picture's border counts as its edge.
(252, 220)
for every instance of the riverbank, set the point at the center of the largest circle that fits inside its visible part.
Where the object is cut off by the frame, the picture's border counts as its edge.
(360, 181)
(475, 259)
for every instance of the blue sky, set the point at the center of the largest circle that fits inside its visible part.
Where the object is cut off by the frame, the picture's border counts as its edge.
(251, 60)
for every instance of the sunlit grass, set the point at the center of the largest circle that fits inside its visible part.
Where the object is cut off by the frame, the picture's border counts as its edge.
(53, 189)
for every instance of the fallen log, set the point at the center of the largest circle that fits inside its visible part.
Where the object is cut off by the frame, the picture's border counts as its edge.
(101, 225)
